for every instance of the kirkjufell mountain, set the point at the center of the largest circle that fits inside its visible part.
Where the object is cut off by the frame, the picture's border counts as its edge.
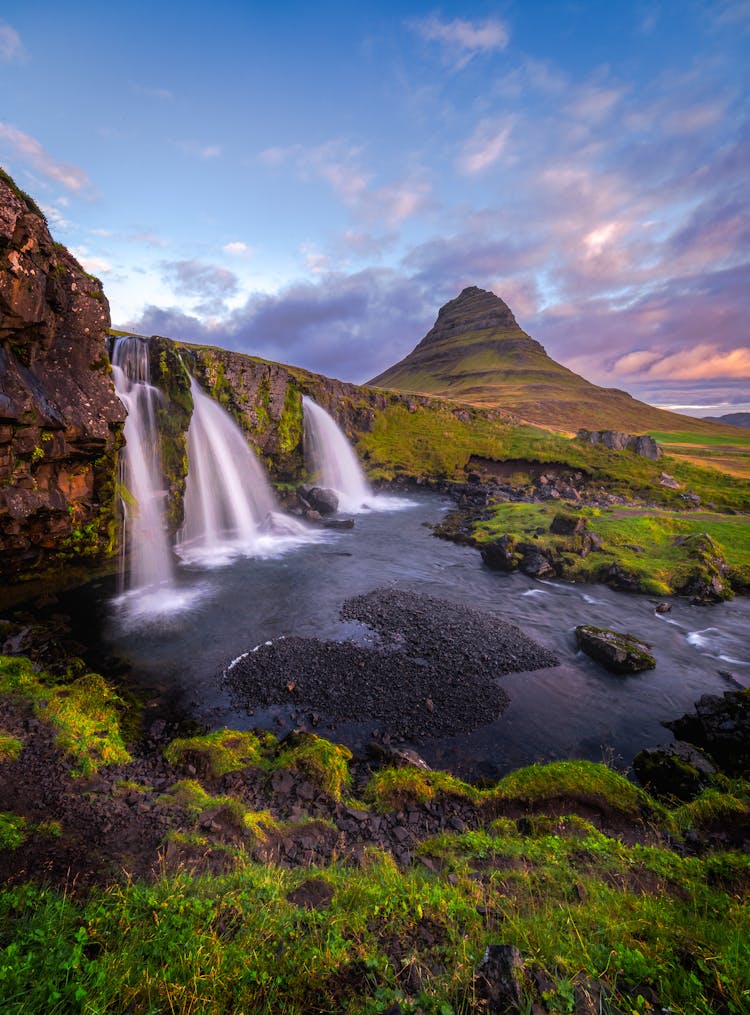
(477, 353)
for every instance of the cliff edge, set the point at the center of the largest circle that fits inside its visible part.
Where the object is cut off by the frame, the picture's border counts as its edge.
(60, 419)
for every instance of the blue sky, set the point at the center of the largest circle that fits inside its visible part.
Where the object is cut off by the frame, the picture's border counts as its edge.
(310, 183)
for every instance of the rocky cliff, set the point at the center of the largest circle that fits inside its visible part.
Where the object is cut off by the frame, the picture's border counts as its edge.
(60, 419)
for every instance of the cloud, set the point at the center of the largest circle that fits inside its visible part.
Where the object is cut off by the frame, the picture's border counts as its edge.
(483, 148)
(30, 150)
(463, 40)
(339, 164)
(91, 263)
(210, 285)
(211, 151)
(344, 325)
(11, 47)
(237, 248)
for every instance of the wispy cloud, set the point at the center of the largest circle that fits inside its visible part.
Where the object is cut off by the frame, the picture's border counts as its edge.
(11, 48)
(30, 151)
(202, 151)
(484, 147)
(92, 263)
(462, 40)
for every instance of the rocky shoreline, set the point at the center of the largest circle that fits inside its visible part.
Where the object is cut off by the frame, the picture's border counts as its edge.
(431, 671)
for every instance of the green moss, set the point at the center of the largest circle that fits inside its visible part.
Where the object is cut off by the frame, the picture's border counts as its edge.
(290, 425)
(222, 751)
(393, 788)
(10, 747)
(223, 810)
(13, 831)
(169, 374)
(324, 763)
(85, 713)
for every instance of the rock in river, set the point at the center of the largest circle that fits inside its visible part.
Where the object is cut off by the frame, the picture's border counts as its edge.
(620, 653)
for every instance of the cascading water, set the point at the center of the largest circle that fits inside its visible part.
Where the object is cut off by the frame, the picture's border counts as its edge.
(331, 459)
(146, 545)
(229, 505)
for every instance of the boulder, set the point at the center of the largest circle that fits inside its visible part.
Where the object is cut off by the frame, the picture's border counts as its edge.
(567, 525)
(500, 554)
(720, 726)
(673, 770)
(325, 502)
(535, 564)
(619, 653)
(641, 444)
(707, 581)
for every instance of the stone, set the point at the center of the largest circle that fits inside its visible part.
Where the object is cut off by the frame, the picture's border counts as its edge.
(641, 444)
(720, 726)
(535, 564)
(325, 502)
(619, 653)
(669, 481)
(567, 525)
(673, 770)
(499, 980)
(500, 554)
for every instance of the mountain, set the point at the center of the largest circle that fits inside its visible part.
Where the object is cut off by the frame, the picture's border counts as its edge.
(732, 418)
(477, 353)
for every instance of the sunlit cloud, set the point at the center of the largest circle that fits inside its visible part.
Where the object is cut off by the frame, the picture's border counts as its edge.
(702, 362)
(237, 248)
(463, 40)
(11, 47)
(90, 262)
(29, 150)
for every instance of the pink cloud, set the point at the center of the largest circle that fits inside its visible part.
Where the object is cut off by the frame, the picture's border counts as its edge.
(31, 151)
(463, 40)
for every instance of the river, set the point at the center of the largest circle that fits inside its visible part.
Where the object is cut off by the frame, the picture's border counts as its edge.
(574, 710)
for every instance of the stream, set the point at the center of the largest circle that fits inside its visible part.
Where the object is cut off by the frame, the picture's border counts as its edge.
(574, 710)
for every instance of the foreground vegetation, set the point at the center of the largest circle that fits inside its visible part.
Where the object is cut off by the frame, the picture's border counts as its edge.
(582, 871)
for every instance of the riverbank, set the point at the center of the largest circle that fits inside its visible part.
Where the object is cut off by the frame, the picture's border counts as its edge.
(149, 867)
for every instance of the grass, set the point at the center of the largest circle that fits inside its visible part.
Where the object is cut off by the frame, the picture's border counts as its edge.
(85, 713)
(658, 548)
(222, 751)
(10, 747)
(224, 810)
(236, 942)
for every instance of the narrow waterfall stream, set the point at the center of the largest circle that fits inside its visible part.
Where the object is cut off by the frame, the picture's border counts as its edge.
(331, 460)
(147, 563)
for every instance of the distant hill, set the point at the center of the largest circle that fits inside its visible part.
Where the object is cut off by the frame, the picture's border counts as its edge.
(732, 418)
(477, 353)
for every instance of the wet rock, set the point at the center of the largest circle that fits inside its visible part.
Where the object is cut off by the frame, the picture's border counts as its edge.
(394, 756)
(720, 725)
(536, 564)
(673, 770)
(325, 502)
(620, 653)
(663, 608)
(500, 554)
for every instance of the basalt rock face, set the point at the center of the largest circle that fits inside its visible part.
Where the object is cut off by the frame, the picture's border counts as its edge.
(60, 419)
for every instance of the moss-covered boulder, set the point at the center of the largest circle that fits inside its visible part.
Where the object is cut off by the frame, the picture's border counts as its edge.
(619, 653)
(719, 725)
(673, 770)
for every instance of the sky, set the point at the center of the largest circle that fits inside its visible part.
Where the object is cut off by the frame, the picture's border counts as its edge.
(311, 182)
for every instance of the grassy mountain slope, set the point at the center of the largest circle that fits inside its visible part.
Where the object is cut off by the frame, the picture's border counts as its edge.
(477, 353)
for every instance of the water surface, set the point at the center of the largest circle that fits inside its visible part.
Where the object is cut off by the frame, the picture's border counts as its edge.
(576, 709)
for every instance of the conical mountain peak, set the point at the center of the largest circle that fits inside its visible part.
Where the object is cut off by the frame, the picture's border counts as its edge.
(474, 309)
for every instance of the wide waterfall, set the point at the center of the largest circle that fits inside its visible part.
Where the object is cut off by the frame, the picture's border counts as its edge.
(331, 460)
(230, 508)
(147, 558)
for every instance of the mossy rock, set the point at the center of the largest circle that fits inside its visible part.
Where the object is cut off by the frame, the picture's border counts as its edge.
(619, 653)
(676, 770)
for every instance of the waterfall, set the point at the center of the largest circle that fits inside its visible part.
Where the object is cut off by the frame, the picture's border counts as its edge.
(331, 459)
(230, 508)
(146, 544)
